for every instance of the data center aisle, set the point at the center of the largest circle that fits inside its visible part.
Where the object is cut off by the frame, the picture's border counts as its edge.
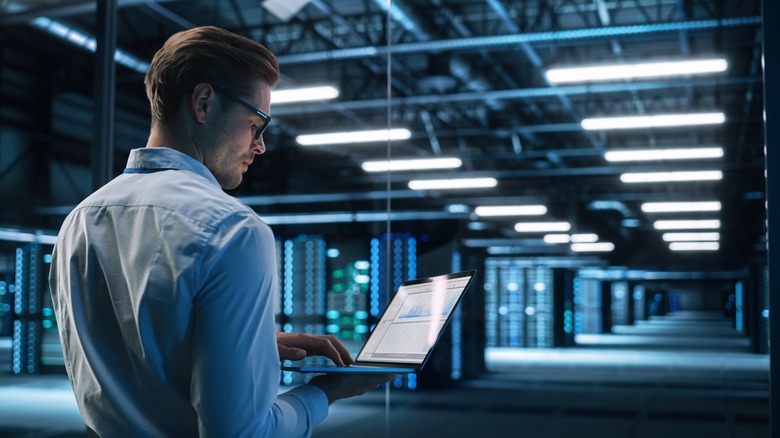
(687, 374)
(683, 375)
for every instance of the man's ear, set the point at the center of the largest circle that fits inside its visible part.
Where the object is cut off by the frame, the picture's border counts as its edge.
(201, 101)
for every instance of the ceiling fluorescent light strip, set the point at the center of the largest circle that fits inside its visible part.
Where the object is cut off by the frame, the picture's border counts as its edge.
(678, 207)
(592, 247)
(353, 137)
(446, 184)
(557, 238)
(663, 154)
(694, 246)
(356, 216)
(691, 237)
(686, 224)
(584, 238)
(638, 70)
(305, 94)
(703, 175)
(542, 227)
(412, 164)
(510, 210)
(658, 121)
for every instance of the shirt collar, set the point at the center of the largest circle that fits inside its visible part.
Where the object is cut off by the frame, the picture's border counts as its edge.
(156, 159)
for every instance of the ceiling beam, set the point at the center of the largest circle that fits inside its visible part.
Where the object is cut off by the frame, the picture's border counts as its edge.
(511, 40)
(66, 10)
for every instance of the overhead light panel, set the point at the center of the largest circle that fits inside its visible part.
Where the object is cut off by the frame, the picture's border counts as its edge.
(353, 137)
(663, 154)
(542, 227)
(412, 164)
(694, 246)
(633, 71)
(658, 121)
(557, 238)
(574, 238)
(645, 177)
(446, 184)
(691, 237)
(511, 210)
(306, 218)
(687, 224)
(677, 207)
(306, 94)
(584, 238)
(592, 247)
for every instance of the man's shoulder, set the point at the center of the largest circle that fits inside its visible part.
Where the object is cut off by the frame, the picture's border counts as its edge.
(182, 193)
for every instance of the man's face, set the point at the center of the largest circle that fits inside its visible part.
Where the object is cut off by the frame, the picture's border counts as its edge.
(233, 144)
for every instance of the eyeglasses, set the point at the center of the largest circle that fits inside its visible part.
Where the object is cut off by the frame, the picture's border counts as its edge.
(258, 130)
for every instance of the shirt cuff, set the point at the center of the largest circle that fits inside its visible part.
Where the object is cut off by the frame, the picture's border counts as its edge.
(313, 399)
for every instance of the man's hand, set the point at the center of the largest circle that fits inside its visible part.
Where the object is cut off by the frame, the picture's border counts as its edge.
(339, 386)
(296, 346)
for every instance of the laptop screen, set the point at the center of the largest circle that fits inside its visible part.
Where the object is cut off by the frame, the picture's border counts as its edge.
(414, 319)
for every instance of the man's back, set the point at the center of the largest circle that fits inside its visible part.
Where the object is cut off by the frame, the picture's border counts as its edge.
(139, 275)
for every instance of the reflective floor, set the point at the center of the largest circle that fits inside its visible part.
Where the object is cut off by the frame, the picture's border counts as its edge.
(684, 375)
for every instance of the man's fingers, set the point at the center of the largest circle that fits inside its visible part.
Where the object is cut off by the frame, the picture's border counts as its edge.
(330, 351)
(341, 349)
(306, 345)
(291, 353)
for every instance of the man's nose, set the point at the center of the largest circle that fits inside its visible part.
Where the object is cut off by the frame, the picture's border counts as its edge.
(259, 146)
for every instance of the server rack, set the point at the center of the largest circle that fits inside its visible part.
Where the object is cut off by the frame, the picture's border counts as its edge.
(6, 299)
(303, 290)
(32, 332)
(587, 306)
(393, 260)
(620, 303)
(347, 298)
(518, 304)
(638, 296)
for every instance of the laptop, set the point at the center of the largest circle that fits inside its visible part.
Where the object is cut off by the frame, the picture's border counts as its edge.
(409, 329)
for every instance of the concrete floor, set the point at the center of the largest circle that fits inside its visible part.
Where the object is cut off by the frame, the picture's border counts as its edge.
(684, 375)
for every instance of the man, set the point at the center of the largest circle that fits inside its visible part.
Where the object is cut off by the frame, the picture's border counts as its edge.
(162, 284)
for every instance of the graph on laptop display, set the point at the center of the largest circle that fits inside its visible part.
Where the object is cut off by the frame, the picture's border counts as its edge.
(413, 320)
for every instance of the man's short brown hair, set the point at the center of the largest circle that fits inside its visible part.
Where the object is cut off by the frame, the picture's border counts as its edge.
(205, 54)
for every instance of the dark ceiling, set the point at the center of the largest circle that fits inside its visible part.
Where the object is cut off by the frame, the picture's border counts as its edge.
(466, 78)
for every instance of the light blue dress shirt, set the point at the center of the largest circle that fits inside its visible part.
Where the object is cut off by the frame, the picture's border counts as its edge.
(163, 288)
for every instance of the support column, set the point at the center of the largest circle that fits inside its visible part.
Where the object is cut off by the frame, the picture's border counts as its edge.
(105, 89)
(771, 14)
(630, 302)
(563, 307)
(606, 307)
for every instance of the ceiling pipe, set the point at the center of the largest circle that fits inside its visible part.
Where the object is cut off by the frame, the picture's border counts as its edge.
(463, 70)
(617, 50)
(532, 56)
(611, 205)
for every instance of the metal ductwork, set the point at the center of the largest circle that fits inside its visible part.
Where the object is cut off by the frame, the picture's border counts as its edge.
(463, 70)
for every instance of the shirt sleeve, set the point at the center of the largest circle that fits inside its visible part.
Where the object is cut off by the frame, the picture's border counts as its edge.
(235, 374)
